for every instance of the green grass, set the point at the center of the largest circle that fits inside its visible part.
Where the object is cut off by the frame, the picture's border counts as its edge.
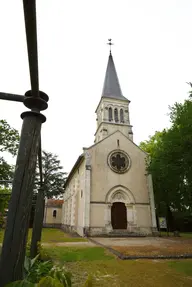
(183, 266)
(72, 254)
(1, 235)
(106, 270)
(51, 235)
(187, 235)
(140, 273)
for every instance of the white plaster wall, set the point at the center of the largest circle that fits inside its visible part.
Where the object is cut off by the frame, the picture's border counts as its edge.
(73, 206)
(97, 217)
(104, 179)
(143, 215)
(49, 215)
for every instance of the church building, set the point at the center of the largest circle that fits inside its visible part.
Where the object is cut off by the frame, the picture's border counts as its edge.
(108, 190)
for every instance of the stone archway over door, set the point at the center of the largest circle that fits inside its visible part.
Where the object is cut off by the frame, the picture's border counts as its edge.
(119, 215)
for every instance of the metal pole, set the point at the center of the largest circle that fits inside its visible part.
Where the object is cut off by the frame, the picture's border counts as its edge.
(14, 244)
(37, 223)
(11, 97)
(39, 211)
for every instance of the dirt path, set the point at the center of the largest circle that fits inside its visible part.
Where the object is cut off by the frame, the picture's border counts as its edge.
(145, 241)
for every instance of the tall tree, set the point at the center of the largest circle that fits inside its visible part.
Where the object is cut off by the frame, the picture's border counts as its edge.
(52, 186)
(9, 141)
(171, 162)
(5, 194)
(53, 175)
(9, 138)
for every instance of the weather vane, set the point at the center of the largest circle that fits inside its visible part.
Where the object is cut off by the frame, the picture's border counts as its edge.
(110, 44)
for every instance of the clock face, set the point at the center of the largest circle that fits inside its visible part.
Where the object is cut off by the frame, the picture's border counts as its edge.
(119, 161)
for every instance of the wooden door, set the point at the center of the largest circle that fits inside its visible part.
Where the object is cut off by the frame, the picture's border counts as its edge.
(119, 216)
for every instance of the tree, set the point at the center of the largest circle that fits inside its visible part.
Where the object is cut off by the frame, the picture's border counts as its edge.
(9, 138)
(53, 175)
(171, 163)
(52, 186)
(5, 194)
(9, 141)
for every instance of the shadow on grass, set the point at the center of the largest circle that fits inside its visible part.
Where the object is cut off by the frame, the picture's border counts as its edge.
(71, 254)
(182, 266)
(50, 235)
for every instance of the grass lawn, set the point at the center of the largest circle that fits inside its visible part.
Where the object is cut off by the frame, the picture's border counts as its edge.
(51, 235)
(107, 270)
(72, 254)
(186, 235)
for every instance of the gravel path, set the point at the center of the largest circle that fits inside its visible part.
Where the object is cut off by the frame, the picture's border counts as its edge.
(144, 241)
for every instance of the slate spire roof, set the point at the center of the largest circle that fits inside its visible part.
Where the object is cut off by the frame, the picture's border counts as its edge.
(111, 87)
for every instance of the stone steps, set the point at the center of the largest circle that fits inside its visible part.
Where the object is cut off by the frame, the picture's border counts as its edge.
(126, 234)
(121, 233)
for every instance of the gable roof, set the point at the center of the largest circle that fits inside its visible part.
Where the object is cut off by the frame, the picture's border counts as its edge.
(113, 134)
(82, 156)
(54, 202)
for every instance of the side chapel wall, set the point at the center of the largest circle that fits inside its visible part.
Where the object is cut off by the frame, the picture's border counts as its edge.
(73, 202)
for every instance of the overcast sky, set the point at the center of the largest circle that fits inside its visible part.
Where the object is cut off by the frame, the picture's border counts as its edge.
(152, 54)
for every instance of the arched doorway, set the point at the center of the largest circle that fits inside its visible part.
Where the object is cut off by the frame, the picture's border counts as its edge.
(119, 215)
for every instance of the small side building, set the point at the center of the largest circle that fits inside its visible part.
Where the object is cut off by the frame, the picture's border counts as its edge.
(53, 212)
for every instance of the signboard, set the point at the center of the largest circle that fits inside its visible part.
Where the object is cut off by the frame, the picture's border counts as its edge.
(162, 222)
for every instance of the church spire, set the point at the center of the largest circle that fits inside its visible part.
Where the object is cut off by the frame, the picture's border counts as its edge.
(113, 108)
(111, 87)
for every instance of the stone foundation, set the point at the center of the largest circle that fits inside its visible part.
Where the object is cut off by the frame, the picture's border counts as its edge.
(76, 231)
(105, 232)
(97, 231)
(155, 231)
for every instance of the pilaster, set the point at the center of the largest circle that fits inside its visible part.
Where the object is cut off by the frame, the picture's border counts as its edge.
(87, 190)
(152, 202)
(108, 217)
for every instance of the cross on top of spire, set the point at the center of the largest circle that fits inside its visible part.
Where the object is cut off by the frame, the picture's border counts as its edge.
(111, 87)
(110, 44)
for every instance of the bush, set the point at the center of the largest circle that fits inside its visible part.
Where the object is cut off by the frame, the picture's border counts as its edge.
(40, 273)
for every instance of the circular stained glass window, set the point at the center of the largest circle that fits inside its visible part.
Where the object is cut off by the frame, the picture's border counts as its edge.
(119, 161)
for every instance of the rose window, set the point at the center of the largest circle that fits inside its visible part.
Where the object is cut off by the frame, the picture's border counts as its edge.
(119, 161)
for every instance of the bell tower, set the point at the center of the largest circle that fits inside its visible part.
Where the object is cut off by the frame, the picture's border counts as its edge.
(113, 108)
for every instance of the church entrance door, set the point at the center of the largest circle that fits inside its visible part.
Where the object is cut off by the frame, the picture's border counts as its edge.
(119, 216)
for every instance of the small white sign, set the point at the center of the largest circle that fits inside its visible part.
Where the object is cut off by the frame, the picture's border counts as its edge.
(162, 222)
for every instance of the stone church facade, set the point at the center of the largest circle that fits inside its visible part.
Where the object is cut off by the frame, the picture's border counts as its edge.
(108, 188)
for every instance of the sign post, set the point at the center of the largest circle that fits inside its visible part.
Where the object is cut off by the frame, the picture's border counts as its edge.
(163, 224)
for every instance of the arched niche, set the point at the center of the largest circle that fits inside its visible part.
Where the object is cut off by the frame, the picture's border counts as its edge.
(120, 194)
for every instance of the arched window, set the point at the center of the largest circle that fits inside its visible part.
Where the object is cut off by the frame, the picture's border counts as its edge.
(121, 116)
(110, 114)
(54, 213)
(116, 115)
